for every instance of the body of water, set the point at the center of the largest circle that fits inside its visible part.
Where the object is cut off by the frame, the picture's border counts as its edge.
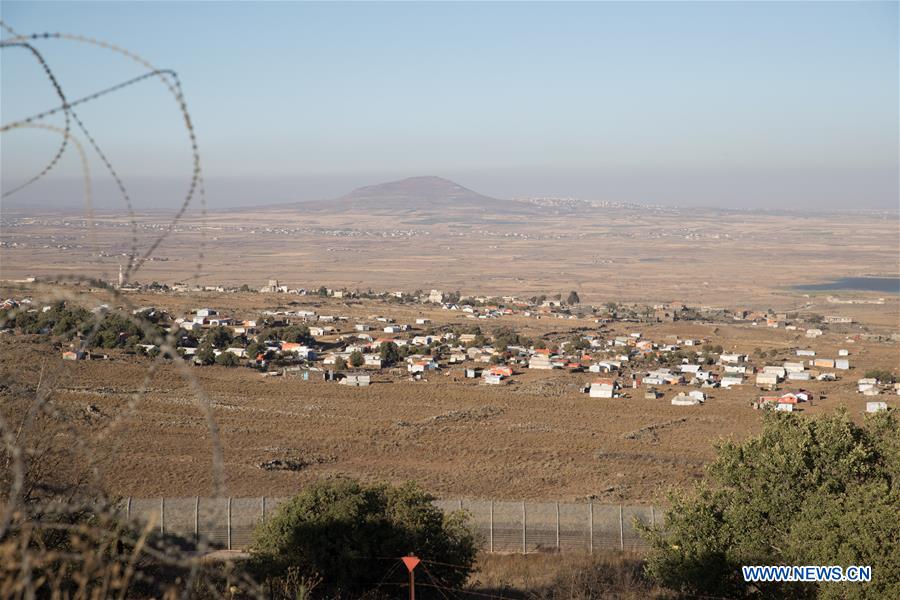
(890, 285)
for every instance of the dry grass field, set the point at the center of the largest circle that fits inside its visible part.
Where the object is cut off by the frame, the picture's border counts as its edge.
(539, 437)
(693, 256)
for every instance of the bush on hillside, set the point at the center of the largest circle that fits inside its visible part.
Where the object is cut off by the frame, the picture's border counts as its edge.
(350, 536)
(805, 491)
(389, 353)
(227, 359)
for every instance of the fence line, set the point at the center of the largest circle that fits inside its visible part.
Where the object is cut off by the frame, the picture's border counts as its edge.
(501, 526)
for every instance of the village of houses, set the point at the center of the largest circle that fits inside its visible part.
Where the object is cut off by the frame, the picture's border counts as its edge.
(606, 349)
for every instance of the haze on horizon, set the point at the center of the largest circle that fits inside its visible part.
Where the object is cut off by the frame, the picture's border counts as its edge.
(767, 105)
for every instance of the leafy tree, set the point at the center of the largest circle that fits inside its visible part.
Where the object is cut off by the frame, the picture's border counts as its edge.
(389, 352)
(132, 342)
(882, 375)
(505, 337)
(340, 364)
(578, 343)
(298, 334)
(205, 354)
(218, 337)
(227, 359)
(188, 340)
(479, 341)
(804, 492)
(340, 531)
(357, 359)
(573, 298)
(245, 288)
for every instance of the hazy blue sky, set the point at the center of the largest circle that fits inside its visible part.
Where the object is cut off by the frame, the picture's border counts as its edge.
(763, 104)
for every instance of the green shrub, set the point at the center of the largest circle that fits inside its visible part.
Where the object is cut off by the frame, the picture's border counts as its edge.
(882, 375)
(218, 337)
(389, 352)
(349, 536)
(227, 359)
(805, 491)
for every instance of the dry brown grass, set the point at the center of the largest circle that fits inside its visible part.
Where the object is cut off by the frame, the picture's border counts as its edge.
(691, 256)
(532, 445)
(563, 576)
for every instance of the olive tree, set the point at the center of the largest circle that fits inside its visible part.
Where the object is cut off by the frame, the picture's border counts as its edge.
(806, 491)
(345, 534)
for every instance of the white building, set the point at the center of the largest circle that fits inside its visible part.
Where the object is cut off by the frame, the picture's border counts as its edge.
(601, 390)
(732, 358)
(683, 399)
(539, 361)
(774, 370)
(767, 380)
(727, 382)
(356, 380)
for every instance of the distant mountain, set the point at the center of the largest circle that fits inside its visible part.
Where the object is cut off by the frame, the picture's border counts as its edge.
(422, 195)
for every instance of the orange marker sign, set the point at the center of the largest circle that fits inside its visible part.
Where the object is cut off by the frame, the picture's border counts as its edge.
(411, 562)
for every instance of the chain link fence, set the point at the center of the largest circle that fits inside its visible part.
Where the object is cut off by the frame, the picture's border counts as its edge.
(502, 526)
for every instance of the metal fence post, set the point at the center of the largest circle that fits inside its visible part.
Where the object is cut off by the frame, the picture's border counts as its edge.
(492, 527)
(557, 526)
(621, 530)
(228, 522)
(263, 509)
(652, 517)
(591, 526)
(162, 516)
(460, 504)
(524, 529)
(197, 518)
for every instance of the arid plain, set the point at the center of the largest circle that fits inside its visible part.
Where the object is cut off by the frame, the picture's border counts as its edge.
(607, 254)
(539, 437)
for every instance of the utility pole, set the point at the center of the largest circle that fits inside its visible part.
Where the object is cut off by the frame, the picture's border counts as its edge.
(411, 562)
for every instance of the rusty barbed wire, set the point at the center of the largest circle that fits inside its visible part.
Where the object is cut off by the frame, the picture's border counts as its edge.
(171, 81)
(59, 92)
(14, 514)
(71, 115)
